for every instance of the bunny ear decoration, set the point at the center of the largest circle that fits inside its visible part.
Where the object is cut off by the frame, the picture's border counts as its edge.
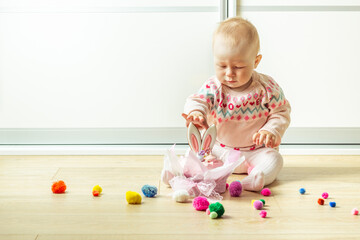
(194, 138)
(209, 138)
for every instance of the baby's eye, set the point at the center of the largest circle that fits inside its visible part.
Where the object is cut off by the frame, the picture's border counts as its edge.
(238, 67)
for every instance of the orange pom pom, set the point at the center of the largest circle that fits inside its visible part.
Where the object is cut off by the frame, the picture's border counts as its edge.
(321, 201)
(96, 193)
(58, 187)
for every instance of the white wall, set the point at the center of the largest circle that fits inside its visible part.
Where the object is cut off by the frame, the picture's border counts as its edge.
(78, 64)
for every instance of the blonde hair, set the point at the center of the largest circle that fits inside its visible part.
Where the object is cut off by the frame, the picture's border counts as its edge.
(238, 32)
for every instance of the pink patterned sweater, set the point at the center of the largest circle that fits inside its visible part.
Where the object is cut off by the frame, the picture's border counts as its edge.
(239, 114)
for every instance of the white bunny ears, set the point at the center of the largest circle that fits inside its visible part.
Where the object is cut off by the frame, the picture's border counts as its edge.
(198, 144)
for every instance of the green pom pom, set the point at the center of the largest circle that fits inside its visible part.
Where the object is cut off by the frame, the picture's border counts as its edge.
(218, 208)
(213, 215)
(263, 201)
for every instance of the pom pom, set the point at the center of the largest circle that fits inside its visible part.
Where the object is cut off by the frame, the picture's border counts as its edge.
(258, 204)
(325, 195)
(218, 208)
(263, 214)
(97, 188)
(58, 187)
(149, 191)
(252, 202)
(321, 201)
(355, 211)
(302, 190)
(181, 196)
(200, 203)
(235, 189)
(133, 197)
(208, 211)
(213, 215)
(227, 185)
(332, 204)
(95, 193)
(266, 192)
(263, 201)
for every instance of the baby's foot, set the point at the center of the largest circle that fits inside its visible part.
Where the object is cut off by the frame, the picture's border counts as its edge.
(254, 182)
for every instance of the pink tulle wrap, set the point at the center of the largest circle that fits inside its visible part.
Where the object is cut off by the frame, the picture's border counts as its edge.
(198, 178)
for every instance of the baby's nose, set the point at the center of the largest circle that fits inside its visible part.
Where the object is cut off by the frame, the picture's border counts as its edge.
(229, 72)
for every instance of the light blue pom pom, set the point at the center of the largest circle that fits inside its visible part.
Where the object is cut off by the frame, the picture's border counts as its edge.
(149, 191)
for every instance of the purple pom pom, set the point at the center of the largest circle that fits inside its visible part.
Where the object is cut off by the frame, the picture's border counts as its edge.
(200, 203)
(235, 189)
(258, 204)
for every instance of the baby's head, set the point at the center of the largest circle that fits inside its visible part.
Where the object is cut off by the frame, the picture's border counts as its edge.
(236, 46)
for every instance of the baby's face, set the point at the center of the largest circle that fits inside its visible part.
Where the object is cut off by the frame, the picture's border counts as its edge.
(234, 66)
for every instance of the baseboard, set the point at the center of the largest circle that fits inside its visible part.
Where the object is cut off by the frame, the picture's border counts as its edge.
(155, 141)
(159, 136)
(160, 149)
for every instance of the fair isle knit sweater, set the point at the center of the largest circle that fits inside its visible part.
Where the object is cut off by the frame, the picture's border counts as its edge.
(238, 115)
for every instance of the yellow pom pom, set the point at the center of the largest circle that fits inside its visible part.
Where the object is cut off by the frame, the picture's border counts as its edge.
(252, 202)
(133, 197)
(97, 188)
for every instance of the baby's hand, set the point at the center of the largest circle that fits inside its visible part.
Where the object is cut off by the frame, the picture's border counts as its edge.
(267, 138)
(197, 118)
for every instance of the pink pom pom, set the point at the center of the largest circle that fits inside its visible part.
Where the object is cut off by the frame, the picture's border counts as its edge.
(325, 195)
(235, 189)
(266, 192)
(258, 204)
(208, 211)
(263, 214)
(200, 203)
(227, 185)
(355, 211)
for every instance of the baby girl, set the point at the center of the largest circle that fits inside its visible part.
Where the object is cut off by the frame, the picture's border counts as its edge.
(249, 109)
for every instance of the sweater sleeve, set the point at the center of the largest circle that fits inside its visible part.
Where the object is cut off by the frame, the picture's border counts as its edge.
(279, 111)
(203, 100)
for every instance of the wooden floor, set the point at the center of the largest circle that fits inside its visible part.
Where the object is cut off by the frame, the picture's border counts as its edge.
(29, 210)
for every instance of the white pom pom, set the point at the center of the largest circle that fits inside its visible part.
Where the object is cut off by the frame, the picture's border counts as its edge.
(181, 196)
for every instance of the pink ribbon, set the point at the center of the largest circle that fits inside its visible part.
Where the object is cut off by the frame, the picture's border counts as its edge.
(199, 188)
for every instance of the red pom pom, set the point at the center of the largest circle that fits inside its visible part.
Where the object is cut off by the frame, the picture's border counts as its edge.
(58, 187)
(321, 201)
(96, 193)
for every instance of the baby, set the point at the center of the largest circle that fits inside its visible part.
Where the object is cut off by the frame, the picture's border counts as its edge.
(248, 108)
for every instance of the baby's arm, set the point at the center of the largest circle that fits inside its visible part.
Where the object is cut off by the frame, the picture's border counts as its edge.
(277, 123)
(198, 105)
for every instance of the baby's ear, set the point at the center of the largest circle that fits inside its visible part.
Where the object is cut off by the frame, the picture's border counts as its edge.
(257, 60)
(209, 138)
(194, 138)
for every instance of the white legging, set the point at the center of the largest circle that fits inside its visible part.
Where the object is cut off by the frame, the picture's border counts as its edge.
(266, 160)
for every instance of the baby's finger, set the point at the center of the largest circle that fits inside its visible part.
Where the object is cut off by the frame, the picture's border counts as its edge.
(184, 115)
(268, 140)
(262, 138)
(273, 142)
(203, 122)
(255, 136)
